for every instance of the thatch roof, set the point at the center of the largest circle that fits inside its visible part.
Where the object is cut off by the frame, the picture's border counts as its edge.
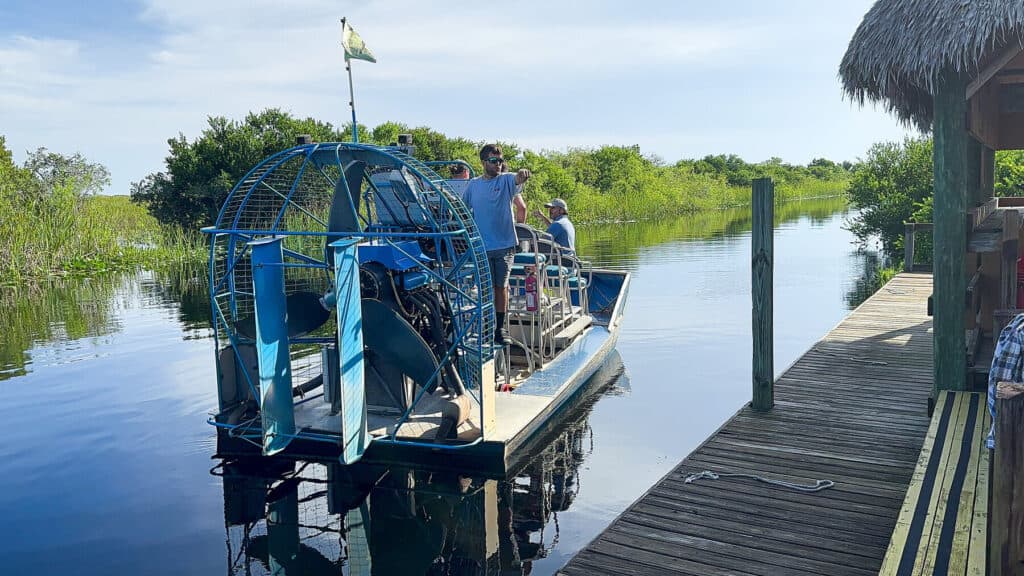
(901, 48)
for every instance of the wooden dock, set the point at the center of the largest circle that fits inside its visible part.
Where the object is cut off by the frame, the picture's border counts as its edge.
(852, 410)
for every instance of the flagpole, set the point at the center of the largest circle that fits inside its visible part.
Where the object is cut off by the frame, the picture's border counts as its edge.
(352, 101)
(351, 90)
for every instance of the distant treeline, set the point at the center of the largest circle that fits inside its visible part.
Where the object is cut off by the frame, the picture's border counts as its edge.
(606, 183)
(53, 221)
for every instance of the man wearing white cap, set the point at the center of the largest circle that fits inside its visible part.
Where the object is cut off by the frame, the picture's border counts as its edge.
(559, 226)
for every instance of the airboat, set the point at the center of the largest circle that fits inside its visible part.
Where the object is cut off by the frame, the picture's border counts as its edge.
(353, 317)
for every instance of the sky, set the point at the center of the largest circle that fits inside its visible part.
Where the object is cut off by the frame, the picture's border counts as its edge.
(115, 79)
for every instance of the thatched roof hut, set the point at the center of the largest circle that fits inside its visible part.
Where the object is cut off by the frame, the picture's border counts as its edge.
(956, 68)
(902, 47)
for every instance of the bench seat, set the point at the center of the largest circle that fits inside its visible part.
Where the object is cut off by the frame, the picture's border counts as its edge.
(942, 526)
(529, 258)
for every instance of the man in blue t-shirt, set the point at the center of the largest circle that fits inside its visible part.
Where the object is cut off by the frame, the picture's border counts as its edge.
(559, 226)
(491, 198)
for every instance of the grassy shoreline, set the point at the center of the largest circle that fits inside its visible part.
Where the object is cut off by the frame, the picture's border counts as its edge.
(98, 234)
(89, 235)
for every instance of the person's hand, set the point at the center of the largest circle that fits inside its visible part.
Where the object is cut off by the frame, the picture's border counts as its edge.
(538, 214)
(522, 175)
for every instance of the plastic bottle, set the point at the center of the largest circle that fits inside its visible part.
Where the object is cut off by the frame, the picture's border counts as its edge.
(531, 290)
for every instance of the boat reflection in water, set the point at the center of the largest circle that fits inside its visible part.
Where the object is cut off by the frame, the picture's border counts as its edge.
(286, 517)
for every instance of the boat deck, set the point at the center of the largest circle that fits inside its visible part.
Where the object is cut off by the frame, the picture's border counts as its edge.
(519, 415)
(852, 410)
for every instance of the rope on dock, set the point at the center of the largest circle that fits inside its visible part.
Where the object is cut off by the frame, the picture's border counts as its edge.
(709, 475)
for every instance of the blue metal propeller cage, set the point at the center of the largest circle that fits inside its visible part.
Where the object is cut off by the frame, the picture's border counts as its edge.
(289, 195)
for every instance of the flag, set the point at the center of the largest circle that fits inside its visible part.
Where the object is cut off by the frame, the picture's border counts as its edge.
(354, 45)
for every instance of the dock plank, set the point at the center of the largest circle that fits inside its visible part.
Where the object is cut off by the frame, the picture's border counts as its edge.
(851, 410)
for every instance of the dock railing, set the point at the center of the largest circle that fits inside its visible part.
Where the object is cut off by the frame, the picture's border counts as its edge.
(909, 240)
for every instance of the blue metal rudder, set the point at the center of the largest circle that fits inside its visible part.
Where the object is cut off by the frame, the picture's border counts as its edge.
(275, 369)
(354, 436)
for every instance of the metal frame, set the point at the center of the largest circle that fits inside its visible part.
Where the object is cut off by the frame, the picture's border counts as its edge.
(464, 280)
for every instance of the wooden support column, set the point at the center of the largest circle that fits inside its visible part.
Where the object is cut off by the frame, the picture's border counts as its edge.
(950, 205)
(1006, 519)
(762, 259)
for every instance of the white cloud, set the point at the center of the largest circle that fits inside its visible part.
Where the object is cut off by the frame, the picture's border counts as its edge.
(34, 70)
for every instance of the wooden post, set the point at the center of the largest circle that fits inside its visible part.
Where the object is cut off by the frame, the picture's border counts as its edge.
(908, 247)
(950, 232)
(763, 206)
(1006, 519)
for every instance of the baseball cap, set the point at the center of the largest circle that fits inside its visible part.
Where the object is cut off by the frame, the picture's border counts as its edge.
(557, 202)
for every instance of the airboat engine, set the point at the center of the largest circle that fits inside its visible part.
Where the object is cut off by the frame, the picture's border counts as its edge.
(406, 331)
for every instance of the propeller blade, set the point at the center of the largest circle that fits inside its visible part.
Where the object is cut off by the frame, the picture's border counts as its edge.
(345, 204)
(304, 314)
(391, 337)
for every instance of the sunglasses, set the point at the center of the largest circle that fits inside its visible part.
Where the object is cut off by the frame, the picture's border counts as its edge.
(495, 160)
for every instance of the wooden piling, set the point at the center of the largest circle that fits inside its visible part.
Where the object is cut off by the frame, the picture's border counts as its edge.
(1006, 551)
(762, 259)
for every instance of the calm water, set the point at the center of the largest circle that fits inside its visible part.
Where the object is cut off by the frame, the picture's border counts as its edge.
(107, 385)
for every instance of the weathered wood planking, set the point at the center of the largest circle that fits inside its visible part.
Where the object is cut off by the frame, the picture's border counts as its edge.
(851, 410)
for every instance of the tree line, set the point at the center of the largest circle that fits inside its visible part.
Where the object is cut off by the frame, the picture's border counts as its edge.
(604, 183)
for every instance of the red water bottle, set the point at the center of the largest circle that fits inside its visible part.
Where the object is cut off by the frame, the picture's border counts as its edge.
(531, 291)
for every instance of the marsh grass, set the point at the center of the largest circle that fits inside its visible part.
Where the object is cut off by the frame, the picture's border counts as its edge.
(671, 194)
(61, 234)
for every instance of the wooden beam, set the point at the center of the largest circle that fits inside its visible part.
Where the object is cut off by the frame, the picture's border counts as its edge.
(761, 264)
(1006, 551)
(1015, 78)
(992, 69)
(950, 237)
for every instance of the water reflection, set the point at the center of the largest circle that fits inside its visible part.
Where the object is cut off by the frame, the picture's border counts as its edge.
(187, 289)
(70, 310)
(867, 282)
(618, 245)
(61, 310)
(312, 518)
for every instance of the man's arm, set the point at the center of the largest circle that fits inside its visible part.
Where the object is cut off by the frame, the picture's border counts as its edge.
(520, 205)
(542, 216)
(522, 176)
